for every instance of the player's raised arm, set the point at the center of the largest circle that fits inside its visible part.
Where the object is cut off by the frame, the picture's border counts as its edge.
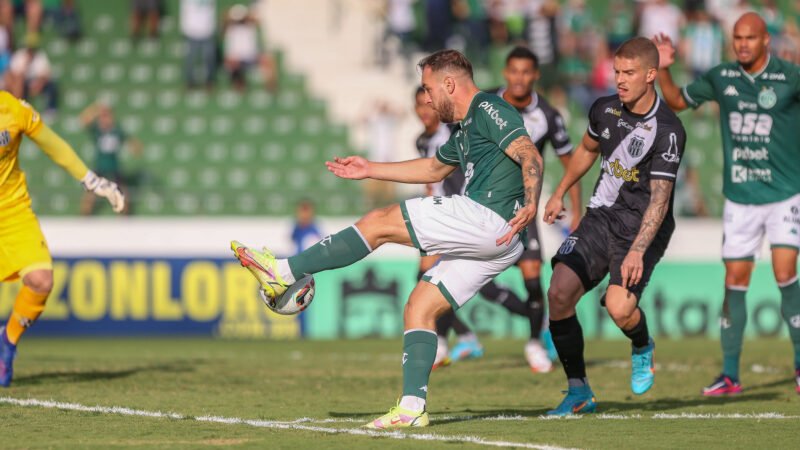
(523, 151)
(416, 171)
(670, 91)
(62, 154)
(580, 162)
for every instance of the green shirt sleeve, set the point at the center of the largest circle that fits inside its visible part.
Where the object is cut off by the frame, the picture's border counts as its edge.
(498, 122)
(700, 90)
(447, 153)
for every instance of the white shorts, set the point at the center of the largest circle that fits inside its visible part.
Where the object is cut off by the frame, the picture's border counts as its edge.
(744, 227)
(464, 233)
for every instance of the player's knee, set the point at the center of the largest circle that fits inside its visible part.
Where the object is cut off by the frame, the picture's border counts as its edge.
(40, 281)
(558, 298)
(784, 275)
(621, 316)
(378, 226)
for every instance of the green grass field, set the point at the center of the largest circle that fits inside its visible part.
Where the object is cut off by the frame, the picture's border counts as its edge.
(304, 394)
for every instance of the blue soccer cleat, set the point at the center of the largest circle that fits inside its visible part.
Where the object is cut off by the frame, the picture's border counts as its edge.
(7, 353)
(643, 370)
(579, 400)
(466, 349)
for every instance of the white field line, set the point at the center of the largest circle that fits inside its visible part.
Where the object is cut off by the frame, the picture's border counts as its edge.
(119, 410)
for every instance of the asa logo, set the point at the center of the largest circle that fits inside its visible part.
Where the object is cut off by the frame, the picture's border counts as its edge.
(636, 146)
(5, 138)
(494, 113)
(617, 170)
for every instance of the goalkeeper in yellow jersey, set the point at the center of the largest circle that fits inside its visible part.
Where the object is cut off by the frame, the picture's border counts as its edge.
(23, 249)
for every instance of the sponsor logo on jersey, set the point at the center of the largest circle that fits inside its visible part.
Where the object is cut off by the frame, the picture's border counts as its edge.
(791, 219)
(741, 174)
(5, 138)
(614, 111)
(672, 155)
(746, 105)
(636, 146)
(767, 98)
(617, 170)
(774, 76)
(730, 91)
(467, 122)
(568, 245)
(606, 134)
(623, 124)
(730, 73)
(748, 154)
(494, 113)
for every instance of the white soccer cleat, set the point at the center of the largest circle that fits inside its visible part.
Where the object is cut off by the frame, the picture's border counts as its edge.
(442, 353)
(537, 357)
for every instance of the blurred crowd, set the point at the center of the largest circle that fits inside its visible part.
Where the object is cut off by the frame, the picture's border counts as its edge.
(575, 39)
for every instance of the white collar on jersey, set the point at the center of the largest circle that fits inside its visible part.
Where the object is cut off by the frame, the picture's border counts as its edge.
(753, 77)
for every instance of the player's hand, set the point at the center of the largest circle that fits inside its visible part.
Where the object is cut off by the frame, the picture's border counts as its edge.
(351, 167)
(632, 268)
(553, 210)
(666, 51)
(104, 188)
(521, 220)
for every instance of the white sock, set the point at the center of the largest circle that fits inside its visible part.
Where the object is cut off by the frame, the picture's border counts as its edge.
(412, 403)
(285, 272)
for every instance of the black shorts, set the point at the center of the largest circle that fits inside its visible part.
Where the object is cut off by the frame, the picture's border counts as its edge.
(533, 251)
(593, 250)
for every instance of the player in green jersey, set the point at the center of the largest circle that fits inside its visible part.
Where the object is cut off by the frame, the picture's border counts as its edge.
(759, 102)
(477, 235)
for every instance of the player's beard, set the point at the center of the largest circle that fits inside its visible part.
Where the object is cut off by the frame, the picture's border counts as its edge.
(446, 111)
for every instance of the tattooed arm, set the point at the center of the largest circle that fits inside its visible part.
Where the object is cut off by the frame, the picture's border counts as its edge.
(633, 265)
(523, 151)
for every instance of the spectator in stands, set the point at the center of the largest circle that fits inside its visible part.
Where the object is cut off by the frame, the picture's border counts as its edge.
(381, 126)
(439, 24)
(65, 17)
(702, 44)
(29, 75)
(542, 38)
(400, 24)
(5, 51)
(198, 21)
(241, 42)
(660, 16)
(619, 23)
(146, 11)
(30, 10)
(475, 26)
(109, 141)
(305, 232)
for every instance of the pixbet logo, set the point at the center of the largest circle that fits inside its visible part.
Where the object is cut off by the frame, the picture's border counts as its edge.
(494, 113)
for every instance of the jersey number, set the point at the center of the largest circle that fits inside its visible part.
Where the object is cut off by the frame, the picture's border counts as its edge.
(750, 123)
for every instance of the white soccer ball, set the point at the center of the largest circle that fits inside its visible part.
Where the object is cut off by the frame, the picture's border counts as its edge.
(295, 299)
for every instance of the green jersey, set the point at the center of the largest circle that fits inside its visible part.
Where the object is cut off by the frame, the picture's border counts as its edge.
(760, 133)
(478, 145)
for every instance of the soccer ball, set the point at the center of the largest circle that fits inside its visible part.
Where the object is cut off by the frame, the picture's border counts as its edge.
(294, 300)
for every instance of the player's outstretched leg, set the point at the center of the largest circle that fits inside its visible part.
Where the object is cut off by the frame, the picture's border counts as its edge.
(264, 266)
(731, 330)
(7, 353)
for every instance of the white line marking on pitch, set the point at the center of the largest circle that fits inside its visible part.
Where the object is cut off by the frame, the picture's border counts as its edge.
(118, 410)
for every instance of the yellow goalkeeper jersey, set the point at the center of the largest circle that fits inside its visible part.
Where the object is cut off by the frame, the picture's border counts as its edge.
(18, 118)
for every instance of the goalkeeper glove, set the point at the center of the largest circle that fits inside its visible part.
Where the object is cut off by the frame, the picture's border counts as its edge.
(104, 188)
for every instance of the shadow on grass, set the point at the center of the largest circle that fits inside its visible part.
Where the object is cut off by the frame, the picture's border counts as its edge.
(79, 376)
(656, 405)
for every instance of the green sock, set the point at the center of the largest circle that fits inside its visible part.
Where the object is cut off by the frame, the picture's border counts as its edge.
(790, 310)
(419, 352)
(731, 330)
(337, 250)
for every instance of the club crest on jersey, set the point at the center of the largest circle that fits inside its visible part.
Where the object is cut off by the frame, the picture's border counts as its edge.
(5, 138)
(568, 245)
(636, 146)
(767, 98)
